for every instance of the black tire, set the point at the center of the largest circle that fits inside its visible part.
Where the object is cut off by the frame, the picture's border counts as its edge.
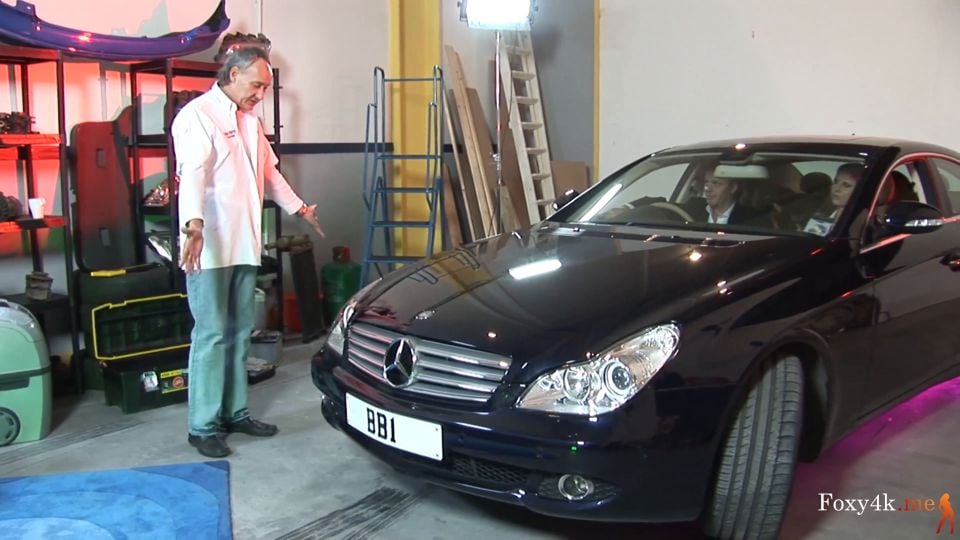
(755, 472)
(9, 426)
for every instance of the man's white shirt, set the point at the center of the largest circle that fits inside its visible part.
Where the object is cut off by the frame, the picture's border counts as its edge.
(207, 137)
(722, 218)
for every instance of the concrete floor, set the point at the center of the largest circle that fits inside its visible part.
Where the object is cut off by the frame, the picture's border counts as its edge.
(313, 482)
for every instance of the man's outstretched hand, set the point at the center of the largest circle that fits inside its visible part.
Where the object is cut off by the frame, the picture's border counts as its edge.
(192, 246)
(309, 214)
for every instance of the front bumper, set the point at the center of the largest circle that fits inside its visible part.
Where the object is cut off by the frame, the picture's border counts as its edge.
(650, 461)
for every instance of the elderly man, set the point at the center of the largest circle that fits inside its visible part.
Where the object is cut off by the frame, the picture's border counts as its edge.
(226, 167)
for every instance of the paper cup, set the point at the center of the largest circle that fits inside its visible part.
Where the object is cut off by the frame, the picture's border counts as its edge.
(36, 207)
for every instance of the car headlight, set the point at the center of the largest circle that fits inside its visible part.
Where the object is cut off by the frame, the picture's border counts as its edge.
(607, 382)
(337, 338)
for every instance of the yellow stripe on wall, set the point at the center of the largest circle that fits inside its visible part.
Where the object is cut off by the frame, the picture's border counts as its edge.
(414, 51)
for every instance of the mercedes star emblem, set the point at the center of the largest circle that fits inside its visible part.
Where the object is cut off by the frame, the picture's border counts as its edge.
(400, 363)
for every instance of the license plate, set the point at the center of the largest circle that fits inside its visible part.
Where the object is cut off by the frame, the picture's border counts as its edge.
(401, 432)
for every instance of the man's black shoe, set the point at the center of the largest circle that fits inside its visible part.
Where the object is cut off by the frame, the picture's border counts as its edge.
(209, 445)
(252, 427)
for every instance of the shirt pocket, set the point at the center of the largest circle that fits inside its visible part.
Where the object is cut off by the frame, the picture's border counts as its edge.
(227, 147)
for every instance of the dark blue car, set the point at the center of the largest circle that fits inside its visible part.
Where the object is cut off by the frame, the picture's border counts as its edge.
(667, 345)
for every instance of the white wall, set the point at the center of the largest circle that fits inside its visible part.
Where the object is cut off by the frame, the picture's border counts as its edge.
(688, 70)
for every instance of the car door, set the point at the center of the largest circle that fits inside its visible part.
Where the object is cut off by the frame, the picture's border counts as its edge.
(918, 294)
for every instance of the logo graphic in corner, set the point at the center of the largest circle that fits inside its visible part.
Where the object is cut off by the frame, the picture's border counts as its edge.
(947, 511)
(400, 363)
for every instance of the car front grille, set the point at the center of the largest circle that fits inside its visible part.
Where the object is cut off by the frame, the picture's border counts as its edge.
(443, 371)
(476, 471)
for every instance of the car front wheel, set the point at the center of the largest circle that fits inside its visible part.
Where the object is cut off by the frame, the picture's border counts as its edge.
(755, 471)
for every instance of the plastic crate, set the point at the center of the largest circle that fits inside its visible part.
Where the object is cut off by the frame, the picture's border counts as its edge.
(141, 327)
(147, 383)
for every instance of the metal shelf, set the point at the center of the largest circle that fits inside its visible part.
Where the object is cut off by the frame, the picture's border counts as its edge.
(156, 145)
(56, 301)
(13, 54)
(28, 147)
(28, 139)
(30, 224)
(178, 68)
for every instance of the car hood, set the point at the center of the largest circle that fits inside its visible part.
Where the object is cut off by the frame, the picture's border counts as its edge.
(558, 292)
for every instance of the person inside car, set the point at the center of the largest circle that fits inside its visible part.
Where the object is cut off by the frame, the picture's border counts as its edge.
(844, 183)
(721, 198)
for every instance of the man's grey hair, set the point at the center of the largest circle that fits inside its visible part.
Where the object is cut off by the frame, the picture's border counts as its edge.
(240, 57)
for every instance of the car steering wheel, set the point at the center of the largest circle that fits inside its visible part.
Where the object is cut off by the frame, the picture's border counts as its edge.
(675, 209)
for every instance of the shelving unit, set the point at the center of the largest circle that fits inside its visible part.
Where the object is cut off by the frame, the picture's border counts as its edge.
(27, 148)
(147, 145)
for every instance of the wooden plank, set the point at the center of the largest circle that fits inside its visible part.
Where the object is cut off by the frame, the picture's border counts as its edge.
(485, 145)
(570, 175)
(465, 193)
(450, 213)
(474, 154)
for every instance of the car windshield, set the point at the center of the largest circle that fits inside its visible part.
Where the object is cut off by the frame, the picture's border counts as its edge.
(764, 192)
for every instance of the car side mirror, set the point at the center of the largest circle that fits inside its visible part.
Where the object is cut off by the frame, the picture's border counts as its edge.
(564, 198)
(909, 217)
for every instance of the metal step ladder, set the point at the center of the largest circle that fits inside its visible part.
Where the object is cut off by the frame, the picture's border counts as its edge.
(379, 254)
(518, 72)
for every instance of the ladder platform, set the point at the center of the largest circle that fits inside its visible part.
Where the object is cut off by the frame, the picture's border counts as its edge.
(392, 259)
(544, 202)
(523, 75)
(530, 126)
(536, 151)
(398, 224)
(524, 100)
(540, 176)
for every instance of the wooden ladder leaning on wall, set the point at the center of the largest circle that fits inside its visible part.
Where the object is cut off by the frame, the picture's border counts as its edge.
(518, 71)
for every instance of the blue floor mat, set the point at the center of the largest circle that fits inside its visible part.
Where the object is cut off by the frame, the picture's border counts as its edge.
(190, 500)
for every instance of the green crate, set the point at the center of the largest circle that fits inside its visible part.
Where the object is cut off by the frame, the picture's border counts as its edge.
(146, 383)
(141, 327)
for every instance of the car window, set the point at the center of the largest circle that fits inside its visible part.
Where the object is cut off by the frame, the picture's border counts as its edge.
(950, 183)
(902, 184)
(659, 183)
(765, 192)
(908, 181)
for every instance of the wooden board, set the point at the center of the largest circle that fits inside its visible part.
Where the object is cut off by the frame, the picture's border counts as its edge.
(570, 175)
(485, 146)
(466, 195)
(450, 214)
(474, 153)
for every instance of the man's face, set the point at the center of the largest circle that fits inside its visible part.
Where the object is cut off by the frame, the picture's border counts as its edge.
(248, 86)
(841, 189)
(718, 192)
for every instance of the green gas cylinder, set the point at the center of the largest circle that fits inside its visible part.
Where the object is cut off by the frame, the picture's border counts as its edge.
(340, 280)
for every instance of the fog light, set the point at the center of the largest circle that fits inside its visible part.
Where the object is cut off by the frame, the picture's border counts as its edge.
(574, 487)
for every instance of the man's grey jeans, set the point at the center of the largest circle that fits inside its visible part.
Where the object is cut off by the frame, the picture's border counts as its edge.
(221, 301)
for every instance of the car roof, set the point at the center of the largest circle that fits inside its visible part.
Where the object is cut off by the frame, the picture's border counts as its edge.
(810, 142)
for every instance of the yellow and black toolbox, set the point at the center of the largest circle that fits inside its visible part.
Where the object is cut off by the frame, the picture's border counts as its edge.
(142, 346)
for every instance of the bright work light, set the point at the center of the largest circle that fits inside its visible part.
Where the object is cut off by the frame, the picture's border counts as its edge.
(498, 14)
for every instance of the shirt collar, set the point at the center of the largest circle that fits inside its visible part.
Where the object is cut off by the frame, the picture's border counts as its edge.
(722, 218)
(222, 98)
